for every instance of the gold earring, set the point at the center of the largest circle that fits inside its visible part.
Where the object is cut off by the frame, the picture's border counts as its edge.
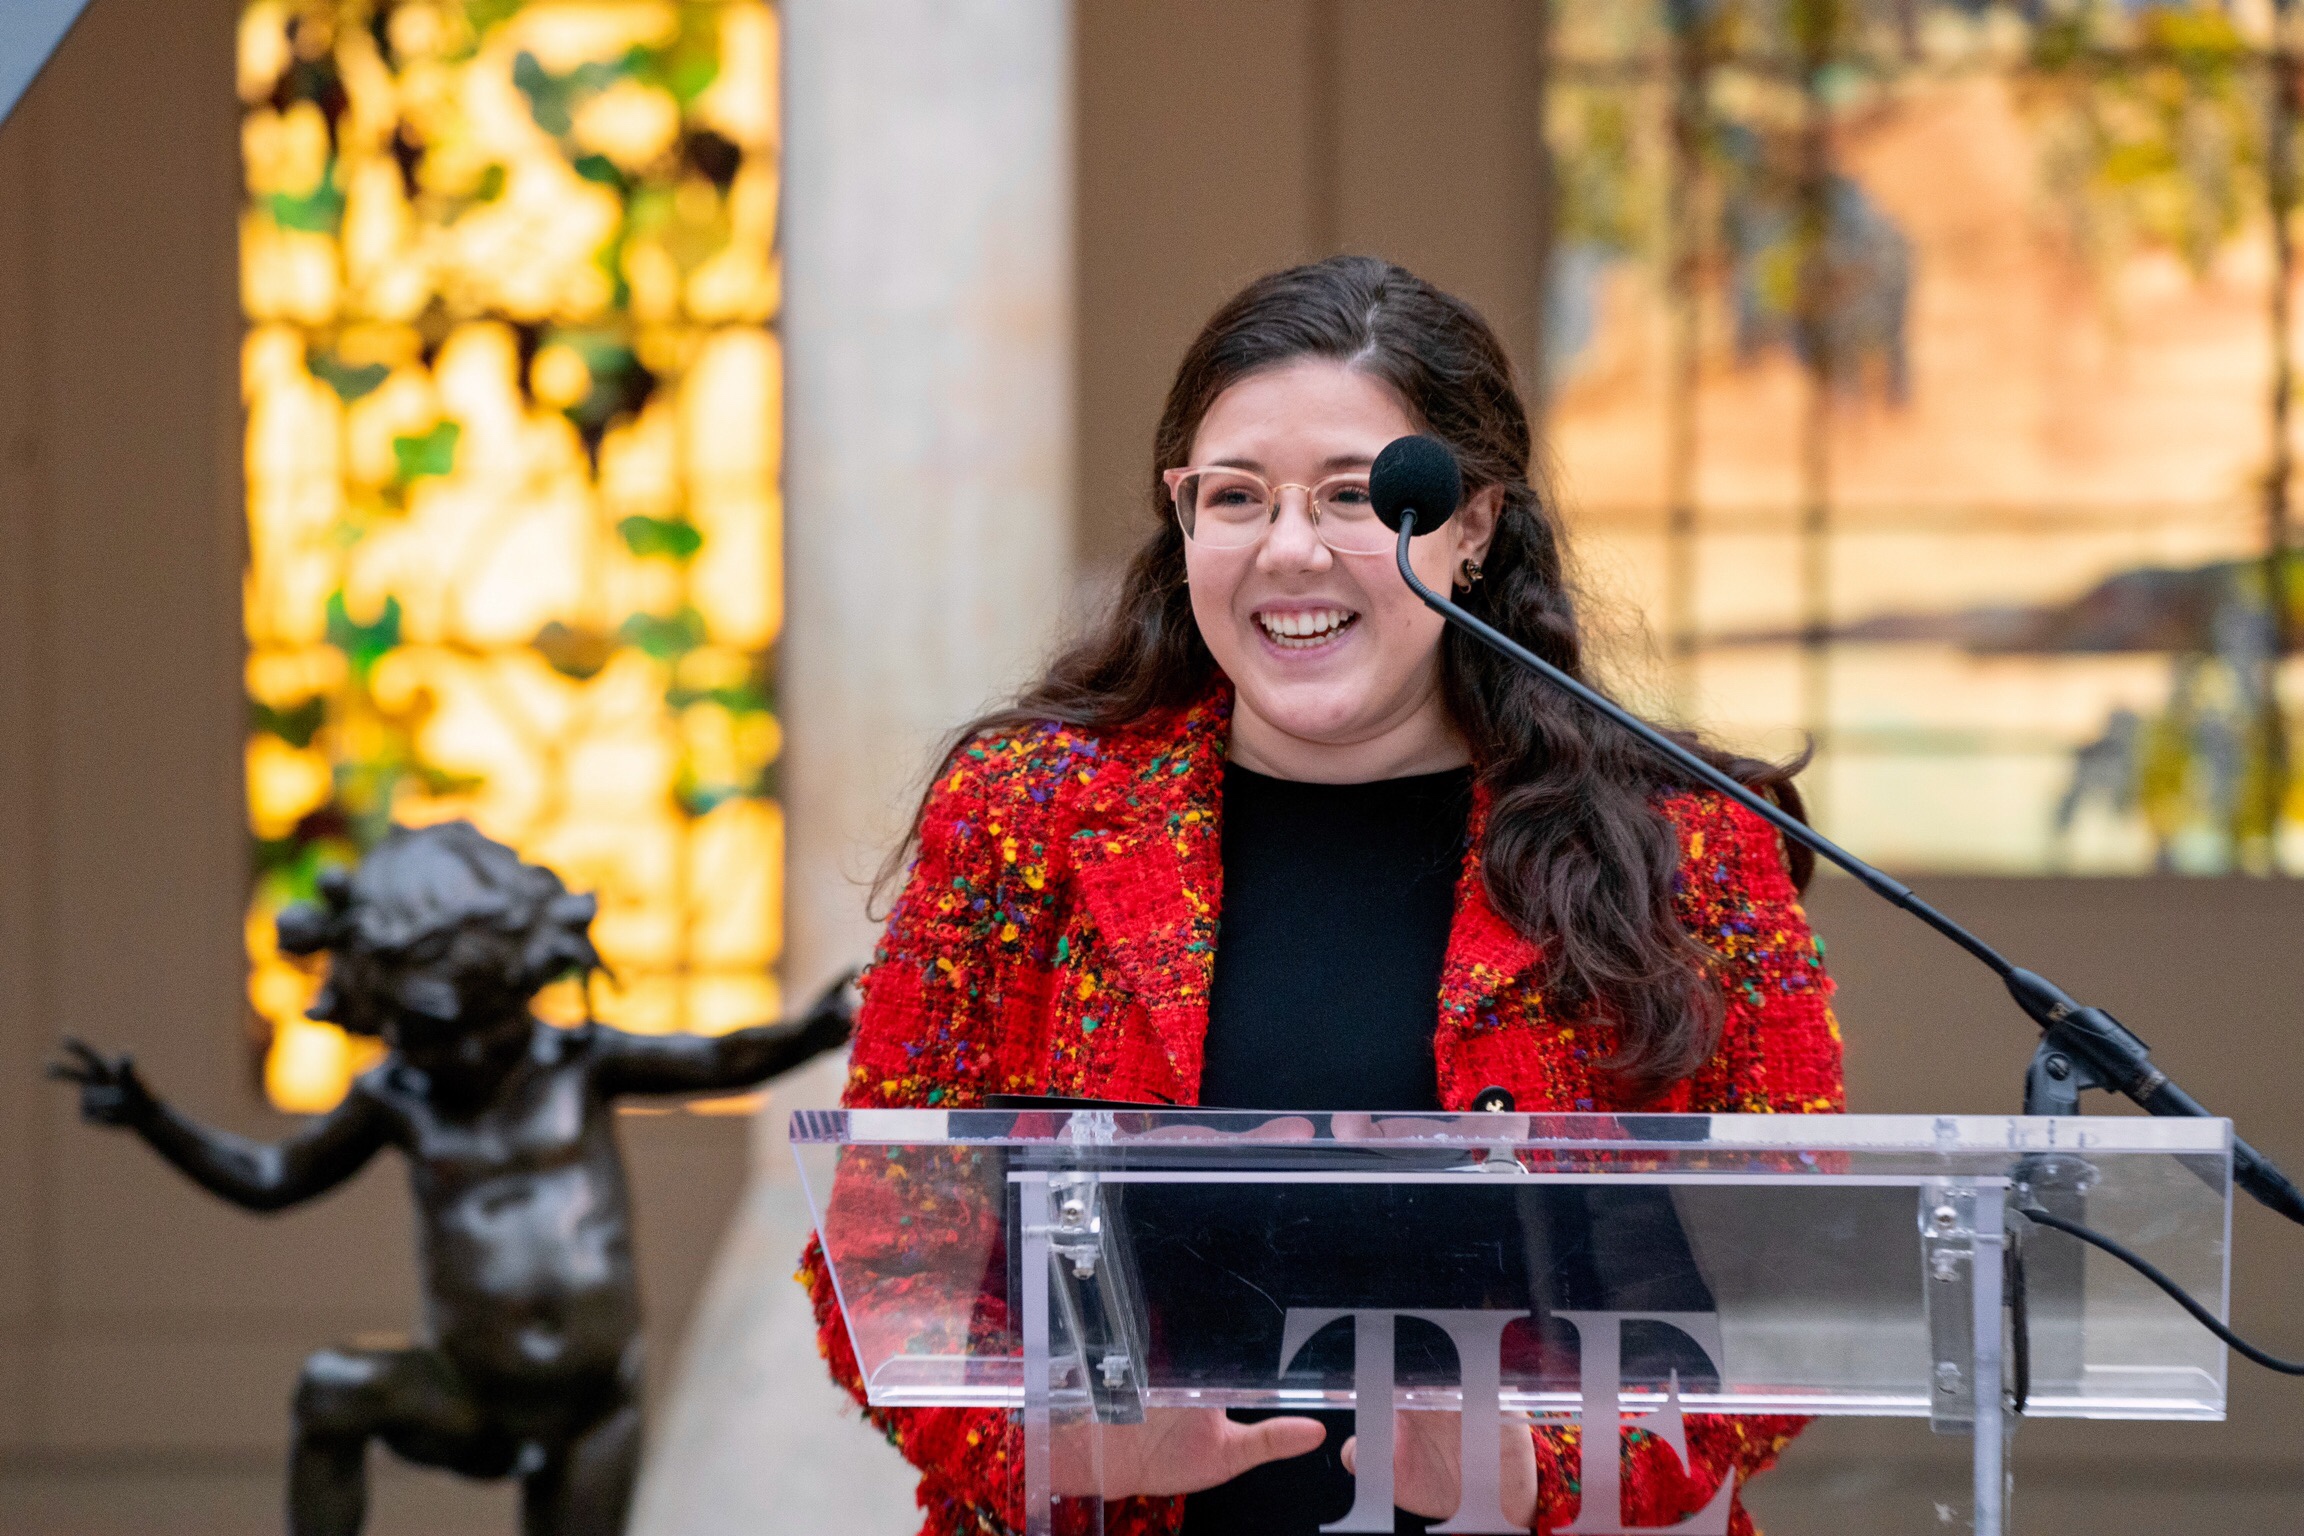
(1471, 573)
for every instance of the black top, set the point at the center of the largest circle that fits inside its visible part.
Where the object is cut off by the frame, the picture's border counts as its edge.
(1337, 904)
(1337, 901)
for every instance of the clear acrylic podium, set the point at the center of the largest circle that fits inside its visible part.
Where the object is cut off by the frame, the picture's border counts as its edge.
(1082, 1267)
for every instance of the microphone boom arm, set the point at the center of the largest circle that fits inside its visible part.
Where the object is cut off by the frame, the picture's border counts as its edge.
(2112, 1053)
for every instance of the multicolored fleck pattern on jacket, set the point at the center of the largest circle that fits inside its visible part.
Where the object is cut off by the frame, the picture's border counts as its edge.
(1058, 935)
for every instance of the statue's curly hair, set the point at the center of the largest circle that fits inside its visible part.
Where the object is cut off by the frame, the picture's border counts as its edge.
(516, 925)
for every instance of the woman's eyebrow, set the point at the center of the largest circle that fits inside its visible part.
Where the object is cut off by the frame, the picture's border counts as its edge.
(1332, 462)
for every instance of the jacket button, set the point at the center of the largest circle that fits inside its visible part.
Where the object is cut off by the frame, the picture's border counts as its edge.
(1494, 1099)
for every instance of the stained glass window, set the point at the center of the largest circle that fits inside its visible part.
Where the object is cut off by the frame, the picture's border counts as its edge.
(513, 439)
(1920, 370)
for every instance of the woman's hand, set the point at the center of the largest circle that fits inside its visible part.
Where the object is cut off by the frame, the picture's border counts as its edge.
(1427, 1466)
(1175, 1450)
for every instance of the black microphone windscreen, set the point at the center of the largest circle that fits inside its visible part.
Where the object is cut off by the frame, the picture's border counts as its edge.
(1419, 474)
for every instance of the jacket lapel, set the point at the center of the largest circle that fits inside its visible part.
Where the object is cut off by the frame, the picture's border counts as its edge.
(1148, 860)
(1486, 954)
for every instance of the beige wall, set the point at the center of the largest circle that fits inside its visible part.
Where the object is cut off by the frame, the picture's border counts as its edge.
(149, 1336)
(121, 737)
(1220, 139)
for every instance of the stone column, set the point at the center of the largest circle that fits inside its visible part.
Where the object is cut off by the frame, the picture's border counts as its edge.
(928, 319)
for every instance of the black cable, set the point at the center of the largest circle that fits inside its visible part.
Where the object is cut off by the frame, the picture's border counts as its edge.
(2019, 1321)
(2177, 1293)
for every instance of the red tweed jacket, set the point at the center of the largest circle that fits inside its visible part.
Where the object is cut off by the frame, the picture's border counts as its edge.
(1058, 935)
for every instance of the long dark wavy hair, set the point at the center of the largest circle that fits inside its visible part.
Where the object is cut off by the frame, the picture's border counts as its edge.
(1576, 854)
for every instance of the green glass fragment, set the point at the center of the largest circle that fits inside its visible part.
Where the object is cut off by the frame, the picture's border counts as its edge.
(432, 454)
(671, 538)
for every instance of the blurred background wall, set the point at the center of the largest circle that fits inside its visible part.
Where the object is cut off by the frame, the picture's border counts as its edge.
(148, 1339)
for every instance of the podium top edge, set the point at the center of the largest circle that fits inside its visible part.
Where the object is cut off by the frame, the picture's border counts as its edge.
(1794, 1134)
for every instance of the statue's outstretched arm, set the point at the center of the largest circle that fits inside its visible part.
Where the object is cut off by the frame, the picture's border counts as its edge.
(701, 1063)
(263, 1176)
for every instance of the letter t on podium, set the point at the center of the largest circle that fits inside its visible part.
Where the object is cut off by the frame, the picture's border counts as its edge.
(1372, 1412)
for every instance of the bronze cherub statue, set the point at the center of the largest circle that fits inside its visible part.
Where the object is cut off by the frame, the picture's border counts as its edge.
(531, 1364)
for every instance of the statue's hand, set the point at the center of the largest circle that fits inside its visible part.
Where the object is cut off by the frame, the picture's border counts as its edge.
(110, 1091)
(831, 1019)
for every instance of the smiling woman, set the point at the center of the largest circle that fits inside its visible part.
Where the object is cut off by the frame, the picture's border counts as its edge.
(1269, 837)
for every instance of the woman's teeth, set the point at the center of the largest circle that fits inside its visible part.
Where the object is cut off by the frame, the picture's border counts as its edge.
(1303, 630)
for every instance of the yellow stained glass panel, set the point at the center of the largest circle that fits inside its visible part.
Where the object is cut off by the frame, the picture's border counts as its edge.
(1917, 390)
(513, 464)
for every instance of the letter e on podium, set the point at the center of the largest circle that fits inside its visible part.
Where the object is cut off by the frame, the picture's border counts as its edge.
(1601, 1335)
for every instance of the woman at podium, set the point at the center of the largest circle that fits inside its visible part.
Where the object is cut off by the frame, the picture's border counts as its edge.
(1270, 836)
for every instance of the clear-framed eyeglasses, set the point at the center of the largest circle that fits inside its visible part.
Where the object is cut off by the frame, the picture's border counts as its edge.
(1231, 508)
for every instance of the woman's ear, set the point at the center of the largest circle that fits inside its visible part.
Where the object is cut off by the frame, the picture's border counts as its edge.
(1476, 522)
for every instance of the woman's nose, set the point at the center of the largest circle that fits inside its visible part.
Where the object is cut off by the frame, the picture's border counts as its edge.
(1292, 543)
